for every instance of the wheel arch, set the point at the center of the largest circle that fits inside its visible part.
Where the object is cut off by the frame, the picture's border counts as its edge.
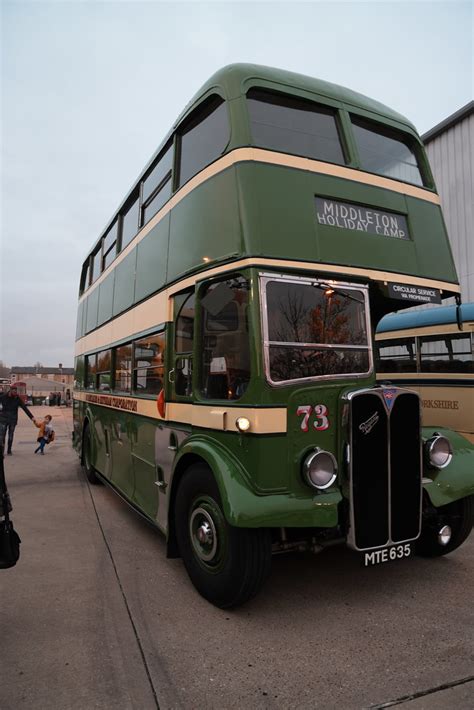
(235, 492)
(456, 481)
(85, 423)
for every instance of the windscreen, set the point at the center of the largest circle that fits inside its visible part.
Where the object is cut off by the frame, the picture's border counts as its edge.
(314, 330)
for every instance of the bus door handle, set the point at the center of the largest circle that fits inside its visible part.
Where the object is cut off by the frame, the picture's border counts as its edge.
(171, 376)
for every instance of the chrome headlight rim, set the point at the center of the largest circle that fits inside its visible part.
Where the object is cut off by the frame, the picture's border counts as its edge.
(430, 446)
(309, 459)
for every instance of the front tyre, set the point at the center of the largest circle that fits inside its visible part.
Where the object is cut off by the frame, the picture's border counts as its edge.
(459, 516)
(227, 565)
(89, 470)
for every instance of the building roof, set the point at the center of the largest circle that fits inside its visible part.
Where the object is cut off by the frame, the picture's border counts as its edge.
(41, 385)
(26, 370)
(448, 122)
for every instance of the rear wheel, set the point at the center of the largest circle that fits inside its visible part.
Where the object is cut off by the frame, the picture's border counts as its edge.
(87, 457)
(227, 565)
(456, 518)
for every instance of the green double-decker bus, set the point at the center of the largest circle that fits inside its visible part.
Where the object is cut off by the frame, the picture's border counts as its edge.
(225, 379)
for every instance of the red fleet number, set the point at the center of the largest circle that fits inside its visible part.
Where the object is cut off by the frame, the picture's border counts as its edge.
(321, 413)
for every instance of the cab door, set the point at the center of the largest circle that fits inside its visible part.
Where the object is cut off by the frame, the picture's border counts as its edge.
(181, 373)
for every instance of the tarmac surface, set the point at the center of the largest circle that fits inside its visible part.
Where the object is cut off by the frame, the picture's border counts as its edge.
(95, 616)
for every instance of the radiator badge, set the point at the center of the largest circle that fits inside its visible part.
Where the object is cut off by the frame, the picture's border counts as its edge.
(367, 426)
(389, 397)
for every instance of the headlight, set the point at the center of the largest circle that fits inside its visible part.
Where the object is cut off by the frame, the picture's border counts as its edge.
(438, 451)
(242, 424)
(319, 469)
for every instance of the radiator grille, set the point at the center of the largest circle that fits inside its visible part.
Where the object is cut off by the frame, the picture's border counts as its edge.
(385, 467)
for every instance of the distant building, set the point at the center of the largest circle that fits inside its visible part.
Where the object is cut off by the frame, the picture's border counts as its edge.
(450, 148)
(38, 388)
(62, 375)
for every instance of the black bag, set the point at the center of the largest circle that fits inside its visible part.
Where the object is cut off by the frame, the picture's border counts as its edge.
(9, 538)
(9, 545)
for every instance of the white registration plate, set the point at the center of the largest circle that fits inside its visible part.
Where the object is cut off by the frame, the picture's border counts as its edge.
(387, 554)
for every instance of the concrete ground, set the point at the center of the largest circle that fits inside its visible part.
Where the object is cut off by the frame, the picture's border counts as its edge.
(95, 616)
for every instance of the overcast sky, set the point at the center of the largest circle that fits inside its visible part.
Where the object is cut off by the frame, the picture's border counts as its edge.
(89, 89)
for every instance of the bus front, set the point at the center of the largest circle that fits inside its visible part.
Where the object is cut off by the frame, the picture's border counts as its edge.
(341, 224)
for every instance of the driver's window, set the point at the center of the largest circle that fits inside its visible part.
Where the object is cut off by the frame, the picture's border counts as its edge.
(225, 365)
(183, 344)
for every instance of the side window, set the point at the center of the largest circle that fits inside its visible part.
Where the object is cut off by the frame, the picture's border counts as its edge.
(156, 188)
(225, 364)
(85, 275)
(95, 264)
(109, 247)
(79, 372)
(104, 370)
(130, 222)
(397, 355)
(184, 331)
(203, 138)
(91, 371)
(123, 369)
(149, 364)
(183, 343)
(293, 125)
(452, 353)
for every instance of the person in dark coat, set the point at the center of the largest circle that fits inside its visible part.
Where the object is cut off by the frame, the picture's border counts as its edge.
(9, 404)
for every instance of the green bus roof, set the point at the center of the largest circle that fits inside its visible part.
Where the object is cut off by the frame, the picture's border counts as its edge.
(234, 77)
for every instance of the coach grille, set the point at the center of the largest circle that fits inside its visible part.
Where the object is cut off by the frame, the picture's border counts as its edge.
(385, 467)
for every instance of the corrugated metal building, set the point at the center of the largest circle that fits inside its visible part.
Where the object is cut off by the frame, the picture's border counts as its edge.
(450, 148)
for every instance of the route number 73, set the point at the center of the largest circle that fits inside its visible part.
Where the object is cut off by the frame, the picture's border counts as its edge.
(321, 413)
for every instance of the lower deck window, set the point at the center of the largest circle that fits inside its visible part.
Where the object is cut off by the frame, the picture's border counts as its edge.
(452, 353)
(149, 364)
(397, 355)
(123, 368)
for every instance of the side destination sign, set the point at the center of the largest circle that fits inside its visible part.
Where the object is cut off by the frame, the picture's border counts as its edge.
(333, 213)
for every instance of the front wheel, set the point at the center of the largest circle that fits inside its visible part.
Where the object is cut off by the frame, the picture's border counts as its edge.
(89, 470)
(227, 565)
(457, 516)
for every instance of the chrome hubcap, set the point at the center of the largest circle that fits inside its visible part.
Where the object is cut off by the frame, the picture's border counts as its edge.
(203, 534)
(444, 535)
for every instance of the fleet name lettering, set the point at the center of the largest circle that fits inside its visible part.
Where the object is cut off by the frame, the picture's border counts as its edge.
(110, 401)
(441, 403)
(360, 219)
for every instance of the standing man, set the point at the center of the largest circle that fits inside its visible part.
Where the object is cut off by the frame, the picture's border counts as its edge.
(9, 404)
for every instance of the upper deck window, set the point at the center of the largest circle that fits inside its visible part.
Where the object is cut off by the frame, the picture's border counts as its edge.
(203, 138)
(109, 246)
(95, 264)
(85, 276)
(157, 186)
(130, 223)
(313, 330)
(292, 125)
(386, 152)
